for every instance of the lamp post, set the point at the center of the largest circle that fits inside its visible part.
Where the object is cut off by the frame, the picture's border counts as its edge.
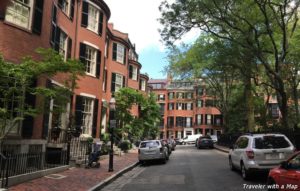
(113, 123)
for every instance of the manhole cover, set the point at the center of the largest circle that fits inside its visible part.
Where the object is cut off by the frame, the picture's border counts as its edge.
(55, 176)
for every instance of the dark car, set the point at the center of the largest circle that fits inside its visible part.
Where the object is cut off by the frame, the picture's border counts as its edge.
(205, 142)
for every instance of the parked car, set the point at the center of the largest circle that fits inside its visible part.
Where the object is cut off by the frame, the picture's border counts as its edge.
(168, 145)
(253, 152)
(153, 150)
(287, 175)
(190, 139)
(205, 142)
(214, 138)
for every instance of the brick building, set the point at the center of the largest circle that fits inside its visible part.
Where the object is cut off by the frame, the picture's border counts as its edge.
(186, 107)
(76, 29)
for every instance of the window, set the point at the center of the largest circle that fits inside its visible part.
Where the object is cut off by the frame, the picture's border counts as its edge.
(189, 106)
(67, 6)
(91, 57)
(241, 143)
(208, 120)
(133, 72)
(188, 122)
(179, 106)
(87, 115)
(91, 18)
(162, 108)
(271, 142)
(179, 95)
(199, 91)
(199, 119)
(170, 122)
(189, 95)
(19, 12)
(142, 84)
(118, 82)
(119, 53)
(161, 97)
(63, 41)
(199, 103)
(171, 95)
(171, 106)
(209, 103)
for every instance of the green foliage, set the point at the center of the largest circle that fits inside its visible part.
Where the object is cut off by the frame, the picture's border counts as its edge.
(125, 145)
(16, 81)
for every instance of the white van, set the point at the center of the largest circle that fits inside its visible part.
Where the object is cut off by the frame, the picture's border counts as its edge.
(190, 139)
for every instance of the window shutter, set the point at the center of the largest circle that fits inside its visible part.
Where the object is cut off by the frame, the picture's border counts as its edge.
(124, 59)
(78, 112)
(205, 119)
(192, 104)
(53, 23)
(100, 27)
(98, 64)
(56, 41)
(38, 17)
(85, 14)
(69, 51)
(114, 56)
(82, 50)
(123, 82)
(113, 81)
(140, 85)
(72, 9)
(95, 118)
(130, 71)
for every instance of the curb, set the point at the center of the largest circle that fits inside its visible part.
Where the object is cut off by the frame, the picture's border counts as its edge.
(221, 149)
(112, 178)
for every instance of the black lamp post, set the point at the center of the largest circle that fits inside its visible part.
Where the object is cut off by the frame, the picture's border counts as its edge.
(113, 123)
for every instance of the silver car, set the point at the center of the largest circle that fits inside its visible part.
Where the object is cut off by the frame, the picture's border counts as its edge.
(153, 150)
(253, 152)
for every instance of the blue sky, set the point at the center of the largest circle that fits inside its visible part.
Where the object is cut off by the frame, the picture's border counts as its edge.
(138, 18)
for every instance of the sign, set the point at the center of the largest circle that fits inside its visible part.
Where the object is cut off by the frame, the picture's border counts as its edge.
(113, 123)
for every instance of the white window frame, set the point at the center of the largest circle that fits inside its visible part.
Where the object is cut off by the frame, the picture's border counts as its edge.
(90, 60)
(16, 16)
(63, 45)
(171, 106)
(93, 19)
(87, 115)
(134, 72)
(118, 82)
(188, 122)
(143, 85)
(66, 7)
(208, 119)
(120, 53)
(189, 106)
(180, 106)
(199, 118)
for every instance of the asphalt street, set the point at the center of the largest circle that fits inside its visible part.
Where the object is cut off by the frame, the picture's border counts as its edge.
(188, 169)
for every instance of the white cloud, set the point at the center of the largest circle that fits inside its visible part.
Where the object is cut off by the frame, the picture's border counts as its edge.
(139, 18)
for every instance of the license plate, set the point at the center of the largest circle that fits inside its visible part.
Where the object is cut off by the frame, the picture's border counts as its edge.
(275, 156)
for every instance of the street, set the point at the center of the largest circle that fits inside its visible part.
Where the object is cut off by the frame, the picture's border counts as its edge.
(188, 169)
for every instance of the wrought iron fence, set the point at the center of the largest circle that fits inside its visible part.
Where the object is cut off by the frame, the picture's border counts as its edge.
(17, 164)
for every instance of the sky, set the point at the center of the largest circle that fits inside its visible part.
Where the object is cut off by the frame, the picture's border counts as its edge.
(139, 18)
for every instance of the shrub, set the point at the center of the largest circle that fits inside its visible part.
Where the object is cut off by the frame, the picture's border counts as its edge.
(125, 145)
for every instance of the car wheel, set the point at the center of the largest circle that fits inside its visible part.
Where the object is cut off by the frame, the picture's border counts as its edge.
(231, 164)
(245, 172)
(164, 160)
(272, 185)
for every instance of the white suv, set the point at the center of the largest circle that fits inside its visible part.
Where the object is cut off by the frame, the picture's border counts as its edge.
(253, 152)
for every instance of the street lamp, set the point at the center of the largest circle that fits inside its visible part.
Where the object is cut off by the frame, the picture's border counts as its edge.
(113, 124)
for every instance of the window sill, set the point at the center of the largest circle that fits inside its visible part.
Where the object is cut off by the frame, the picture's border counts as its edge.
(17, 26)
(95, 32)
(90, 75)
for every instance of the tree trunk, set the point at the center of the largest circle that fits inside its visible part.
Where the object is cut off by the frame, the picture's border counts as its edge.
(296, 104)
(249, 104)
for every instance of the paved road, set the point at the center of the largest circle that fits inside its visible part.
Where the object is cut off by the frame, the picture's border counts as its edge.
(188, 169)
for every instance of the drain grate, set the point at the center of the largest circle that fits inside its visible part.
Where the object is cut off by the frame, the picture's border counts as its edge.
(55, 176)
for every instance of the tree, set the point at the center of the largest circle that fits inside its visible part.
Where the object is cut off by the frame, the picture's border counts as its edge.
(263, 28)
(136, 126)
(17, 82)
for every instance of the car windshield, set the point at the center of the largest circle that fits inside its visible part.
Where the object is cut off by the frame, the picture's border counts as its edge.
(149, 144)
(270, 142)
(205, 137)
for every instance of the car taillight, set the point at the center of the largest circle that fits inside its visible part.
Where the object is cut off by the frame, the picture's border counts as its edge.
(250, 154)
(139, 151)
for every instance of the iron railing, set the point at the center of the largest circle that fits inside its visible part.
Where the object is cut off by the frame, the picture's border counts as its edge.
(3, 171)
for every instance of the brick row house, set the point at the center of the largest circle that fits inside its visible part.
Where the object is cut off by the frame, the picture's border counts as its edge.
(76, 29)
(187, 108)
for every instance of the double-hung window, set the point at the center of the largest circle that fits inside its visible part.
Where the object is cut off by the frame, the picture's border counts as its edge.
(133, 72)
(19, 12)
(208, 120)
(199, 119)
(91, 58)
(117, 82)
(93, 18)
(142, 85)
(87, 115)
(119, 53)
(63, 41)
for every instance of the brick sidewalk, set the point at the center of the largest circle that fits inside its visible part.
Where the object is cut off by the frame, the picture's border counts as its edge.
(78, 179)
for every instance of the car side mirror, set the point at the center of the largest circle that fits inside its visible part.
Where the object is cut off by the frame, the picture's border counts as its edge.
(284, 165)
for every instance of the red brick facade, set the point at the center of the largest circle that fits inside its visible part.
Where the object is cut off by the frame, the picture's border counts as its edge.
(80, 30)
(186, 108)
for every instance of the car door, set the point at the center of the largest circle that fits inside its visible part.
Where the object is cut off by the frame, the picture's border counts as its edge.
(238, 149)
(290, 177)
